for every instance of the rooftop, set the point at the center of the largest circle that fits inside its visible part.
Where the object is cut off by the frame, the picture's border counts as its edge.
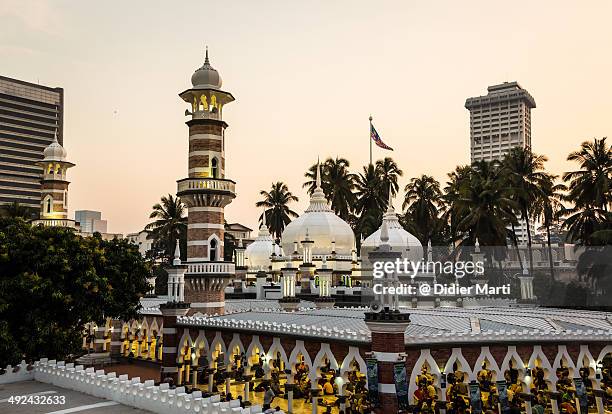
(428, 326)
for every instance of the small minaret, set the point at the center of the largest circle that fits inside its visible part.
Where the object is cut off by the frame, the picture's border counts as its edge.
(176, 277)
(54, 186)
(325, 299)
(388, 326)
(289, 301)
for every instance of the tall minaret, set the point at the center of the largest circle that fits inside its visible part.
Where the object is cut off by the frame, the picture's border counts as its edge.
(54, 186)
(206, 192)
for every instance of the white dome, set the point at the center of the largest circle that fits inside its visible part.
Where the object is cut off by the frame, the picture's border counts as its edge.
(55, 152)
(399, 238)
(322, 226)
(206, 76)
(257, 254)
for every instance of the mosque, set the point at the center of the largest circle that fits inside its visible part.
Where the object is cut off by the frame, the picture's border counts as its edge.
(297, 317)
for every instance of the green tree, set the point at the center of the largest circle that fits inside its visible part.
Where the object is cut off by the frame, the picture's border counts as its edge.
(276, 203)
(337, 183)
(485, 206)
(169, 225)
(422, 201)
(370, 202)
(53, 281)
(591, 185)
(388, 172)
(547, 209)
(17, 210)
(525, 174)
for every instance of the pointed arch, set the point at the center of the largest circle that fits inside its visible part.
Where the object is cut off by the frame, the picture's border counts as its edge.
(236, 342)
(563, 355)
(218, 340)
(425, 357)
(274, 348)
(324, 352)
(457, 356)
(486, 356)
(353, 354)
(298, 349)
(607, 350)
(538, 354)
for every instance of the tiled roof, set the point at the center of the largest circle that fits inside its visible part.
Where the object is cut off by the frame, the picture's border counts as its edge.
(428, 326)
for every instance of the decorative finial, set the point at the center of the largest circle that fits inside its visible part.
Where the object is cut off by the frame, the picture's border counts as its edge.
(384, 232)
(371, 118)
(240, 243)
(390, 205)
(55, 136)
(263, 218)
(177, 254)
(324, 262)
(206, 62)
(318, 179)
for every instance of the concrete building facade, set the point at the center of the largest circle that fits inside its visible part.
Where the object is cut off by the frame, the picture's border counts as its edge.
(30, 116)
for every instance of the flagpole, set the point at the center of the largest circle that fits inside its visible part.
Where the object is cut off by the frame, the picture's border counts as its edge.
(370, 136)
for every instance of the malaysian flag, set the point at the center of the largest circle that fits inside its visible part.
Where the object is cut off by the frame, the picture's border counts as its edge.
(376, 138)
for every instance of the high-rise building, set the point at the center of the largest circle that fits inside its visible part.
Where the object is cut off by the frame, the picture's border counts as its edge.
(90, 221)
(500, 121)
(30, 116)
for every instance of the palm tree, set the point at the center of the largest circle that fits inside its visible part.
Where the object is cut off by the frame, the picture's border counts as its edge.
(525, 173)
(591, 185)
(17, 210)
(590, 190)
(278, 214)
(547, 208)
(170, 225)
(337, 184)
(370, 201)
(458, 179)
(485, 208)
(388, 172)
(422, 201)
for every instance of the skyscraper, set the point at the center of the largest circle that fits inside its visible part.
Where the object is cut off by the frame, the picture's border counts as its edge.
(499, 121)
(30, 115)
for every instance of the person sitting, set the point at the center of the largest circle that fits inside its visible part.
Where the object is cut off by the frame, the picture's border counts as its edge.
(328, 388)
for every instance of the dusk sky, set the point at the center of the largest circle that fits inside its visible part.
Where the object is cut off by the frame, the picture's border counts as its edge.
(306, 76)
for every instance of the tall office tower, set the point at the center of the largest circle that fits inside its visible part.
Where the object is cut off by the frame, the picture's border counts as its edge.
(30, 115)
(90, 221)
(499, 121)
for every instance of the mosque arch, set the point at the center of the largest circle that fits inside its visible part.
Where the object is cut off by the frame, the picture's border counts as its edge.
(538, 360)
(217, 345)
(425, 359)
(563, 359)
(298, 350)
(214, 167)
(457, 357)
(214, 247)
(324, 353)
(275, 350)
(486, 356)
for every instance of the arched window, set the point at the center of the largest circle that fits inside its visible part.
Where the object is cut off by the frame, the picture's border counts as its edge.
(213, 250)
(48, 207)
(214, 168)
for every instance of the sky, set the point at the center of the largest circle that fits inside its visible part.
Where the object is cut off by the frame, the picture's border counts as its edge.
(306, 75)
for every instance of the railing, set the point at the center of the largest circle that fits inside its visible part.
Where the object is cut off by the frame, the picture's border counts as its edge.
(56, 223)
(211, 267)
(206, 184)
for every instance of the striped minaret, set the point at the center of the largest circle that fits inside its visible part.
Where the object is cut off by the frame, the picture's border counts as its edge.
(54, 186)
(206, 192)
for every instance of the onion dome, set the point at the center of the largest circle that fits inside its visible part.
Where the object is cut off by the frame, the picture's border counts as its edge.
(394, 235)
(322, 226)
(55, 152)
(258, 253)
(206, 76)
